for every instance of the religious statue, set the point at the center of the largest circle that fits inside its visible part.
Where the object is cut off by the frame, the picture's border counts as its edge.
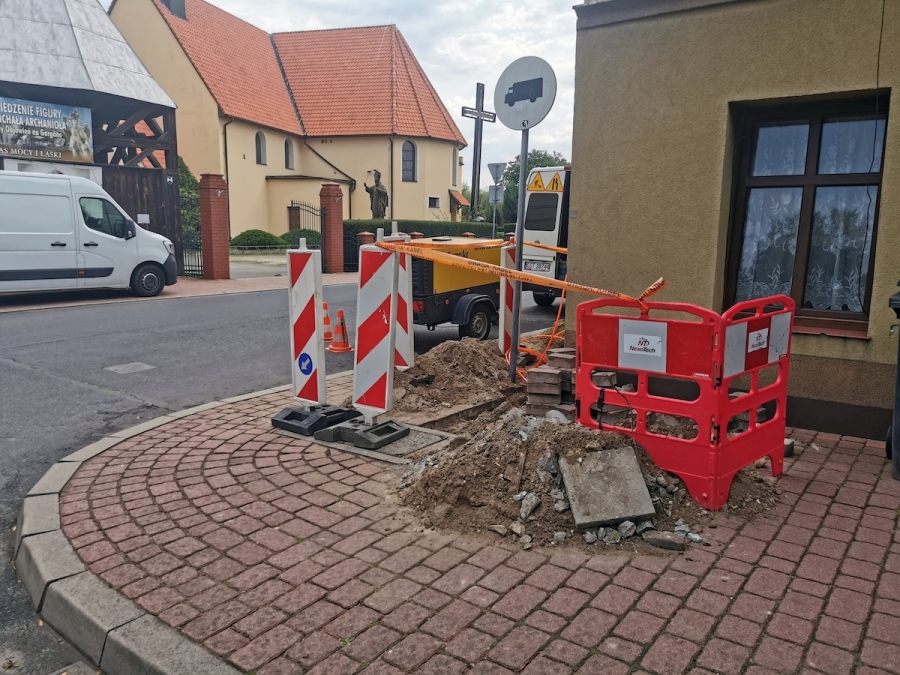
(378, 195)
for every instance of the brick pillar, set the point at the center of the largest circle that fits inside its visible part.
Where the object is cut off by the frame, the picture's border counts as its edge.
(468, 235)
(416, 235)
(331, 199)
(365, 238)
(214, 226)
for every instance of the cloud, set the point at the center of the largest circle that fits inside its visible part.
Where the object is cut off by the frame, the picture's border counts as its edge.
(458, 44)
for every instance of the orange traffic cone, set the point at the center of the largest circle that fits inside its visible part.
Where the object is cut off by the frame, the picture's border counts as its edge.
(329, 336)
(341, 343)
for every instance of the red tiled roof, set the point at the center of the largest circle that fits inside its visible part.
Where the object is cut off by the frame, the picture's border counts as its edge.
(345, 82)
(237, 63)
(362, 81)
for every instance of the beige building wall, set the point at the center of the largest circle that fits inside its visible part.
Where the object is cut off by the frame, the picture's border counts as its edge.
(653, 151)
(199, 141)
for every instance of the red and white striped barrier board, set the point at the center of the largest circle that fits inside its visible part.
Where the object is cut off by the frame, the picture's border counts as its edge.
(307, 345)
(756, 342)
(404, 356)
(507, 291)
(376, 317)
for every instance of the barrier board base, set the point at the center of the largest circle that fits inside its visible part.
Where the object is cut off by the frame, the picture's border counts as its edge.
(365, 436)
(308, 422)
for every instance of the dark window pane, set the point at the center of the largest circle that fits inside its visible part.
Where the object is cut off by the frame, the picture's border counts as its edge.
(851, 146)
(101, 216)
(839, 251)
(770, 242)
(541, 212)
(781, 150)
(409, 161)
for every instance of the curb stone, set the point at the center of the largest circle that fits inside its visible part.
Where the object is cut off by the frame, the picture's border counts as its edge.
(113, 632)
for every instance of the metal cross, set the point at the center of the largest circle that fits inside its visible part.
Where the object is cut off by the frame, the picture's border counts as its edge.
(480, 115)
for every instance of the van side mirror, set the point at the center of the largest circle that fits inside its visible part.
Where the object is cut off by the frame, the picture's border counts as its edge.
(129, 231)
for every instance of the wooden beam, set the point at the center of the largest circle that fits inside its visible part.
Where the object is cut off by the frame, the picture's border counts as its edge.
(128, 124)
(137, 159)
(154, 127)
(162, 143)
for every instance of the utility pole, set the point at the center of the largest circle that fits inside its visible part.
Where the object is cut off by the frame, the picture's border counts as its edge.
(480, 115)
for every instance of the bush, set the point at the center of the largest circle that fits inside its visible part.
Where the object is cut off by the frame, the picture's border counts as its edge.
(292, 239)
(259, 238)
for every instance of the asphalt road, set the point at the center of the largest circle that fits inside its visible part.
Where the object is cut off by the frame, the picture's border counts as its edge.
(56, 396)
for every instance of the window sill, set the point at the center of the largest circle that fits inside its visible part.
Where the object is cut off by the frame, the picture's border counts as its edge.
(832, 332)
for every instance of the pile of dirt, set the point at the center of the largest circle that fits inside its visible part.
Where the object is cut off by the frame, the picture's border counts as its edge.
(465, 371)
(503, 453)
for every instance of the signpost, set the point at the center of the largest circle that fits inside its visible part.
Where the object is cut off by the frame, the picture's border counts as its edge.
(480, 115)
(523, 97)
(496, 192)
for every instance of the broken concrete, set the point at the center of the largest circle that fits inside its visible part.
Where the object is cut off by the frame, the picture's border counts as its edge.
(606, 488)
(666, 540)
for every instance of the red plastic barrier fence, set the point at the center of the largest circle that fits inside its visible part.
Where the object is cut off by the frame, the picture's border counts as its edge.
(684, 368)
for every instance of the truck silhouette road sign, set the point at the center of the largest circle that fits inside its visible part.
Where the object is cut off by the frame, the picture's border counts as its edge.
(529, 90)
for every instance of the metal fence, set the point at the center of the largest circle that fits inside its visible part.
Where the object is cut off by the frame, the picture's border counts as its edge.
(192, 244)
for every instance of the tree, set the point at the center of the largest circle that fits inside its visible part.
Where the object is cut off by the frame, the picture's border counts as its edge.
(484, 208)
(536, 158)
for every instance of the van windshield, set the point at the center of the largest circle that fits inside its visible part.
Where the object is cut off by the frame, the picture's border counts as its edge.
(541, 212)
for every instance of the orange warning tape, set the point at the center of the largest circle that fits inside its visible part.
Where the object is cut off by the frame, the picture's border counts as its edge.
(546, 247)
(468, 243)
(497, 271)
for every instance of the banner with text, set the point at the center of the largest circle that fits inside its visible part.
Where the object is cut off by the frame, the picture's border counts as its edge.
(49, 131)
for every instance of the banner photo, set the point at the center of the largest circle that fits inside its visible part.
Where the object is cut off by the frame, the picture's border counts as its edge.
(33, 130)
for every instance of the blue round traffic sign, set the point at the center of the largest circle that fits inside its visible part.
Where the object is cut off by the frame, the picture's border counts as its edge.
(306, 363)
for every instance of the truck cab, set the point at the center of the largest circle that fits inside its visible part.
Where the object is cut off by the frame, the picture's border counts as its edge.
(546, 222)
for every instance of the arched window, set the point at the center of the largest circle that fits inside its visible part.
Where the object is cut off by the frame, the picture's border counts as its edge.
(409, 162)
(260, 147)
(288, 154)
(455, 165)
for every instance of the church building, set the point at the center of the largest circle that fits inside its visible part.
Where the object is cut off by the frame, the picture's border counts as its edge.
(279, 114)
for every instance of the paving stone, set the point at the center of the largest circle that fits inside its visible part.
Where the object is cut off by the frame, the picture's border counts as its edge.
(412, 651)
(669, 655)
(517, 648)
(606, 487)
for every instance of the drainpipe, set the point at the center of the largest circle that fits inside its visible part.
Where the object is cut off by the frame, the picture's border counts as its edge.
(391, 141)
(346, 175)
(225, 134)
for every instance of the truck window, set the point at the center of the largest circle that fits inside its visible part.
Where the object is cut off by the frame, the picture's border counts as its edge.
(541, 212)
(101, 216)
(38, 214)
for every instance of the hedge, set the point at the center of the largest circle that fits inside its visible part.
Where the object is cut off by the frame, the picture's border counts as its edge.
(313, 238)
(430, 228)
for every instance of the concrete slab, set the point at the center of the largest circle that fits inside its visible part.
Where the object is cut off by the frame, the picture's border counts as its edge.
(38, 514)
(196, 409)
(52, 482)
(92, 450)
(606, 487)
(83, 610)
(147, 646)
(43, 559)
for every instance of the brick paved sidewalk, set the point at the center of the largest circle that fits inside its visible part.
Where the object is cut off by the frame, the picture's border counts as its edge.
(286, 557)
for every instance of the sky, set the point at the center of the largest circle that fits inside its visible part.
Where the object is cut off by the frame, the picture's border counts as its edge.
(458, 44)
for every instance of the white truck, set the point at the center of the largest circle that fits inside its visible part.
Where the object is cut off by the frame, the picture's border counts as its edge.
(64, 232)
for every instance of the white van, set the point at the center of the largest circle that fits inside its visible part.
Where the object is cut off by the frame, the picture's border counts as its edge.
(546, 222)
(64, 232)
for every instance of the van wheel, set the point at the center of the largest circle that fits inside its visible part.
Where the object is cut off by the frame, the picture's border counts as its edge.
(147, 280)
(543, 299)
(479, 326)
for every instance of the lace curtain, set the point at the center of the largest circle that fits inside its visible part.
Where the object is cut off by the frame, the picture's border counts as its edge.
(781, 150)
(840, 247)
(770, 242)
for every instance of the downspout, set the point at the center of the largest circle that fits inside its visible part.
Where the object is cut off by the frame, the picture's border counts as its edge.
(349, 177)
(391, 141)
(227, 183)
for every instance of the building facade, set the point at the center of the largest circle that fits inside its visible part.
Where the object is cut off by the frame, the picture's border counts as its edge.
(279, 114)
(76, 100)
(742, 148)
